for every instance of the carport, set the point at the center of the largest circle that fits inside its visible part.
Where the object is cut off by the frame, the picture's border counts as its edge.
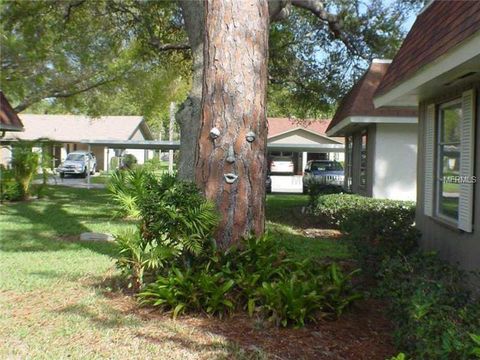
(294, 183)
(280, 183)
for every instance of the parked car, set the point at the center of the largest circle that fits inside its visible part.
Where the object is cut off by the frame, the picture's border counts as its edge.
(78, 163)
(281, 162)
(325, 172)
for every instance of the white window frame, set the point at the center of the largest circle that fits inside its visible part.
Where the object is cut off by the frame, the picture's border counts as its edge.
(349, 162)
(360, 185)
(439, 161)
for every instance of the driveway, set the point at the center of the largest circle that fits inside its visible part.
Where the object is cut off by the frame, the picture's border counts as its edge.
(287, 183)
(72, 181)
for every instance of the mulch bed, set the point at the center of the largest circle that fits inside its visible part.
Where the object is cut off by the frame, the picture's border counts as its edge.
(362, 333)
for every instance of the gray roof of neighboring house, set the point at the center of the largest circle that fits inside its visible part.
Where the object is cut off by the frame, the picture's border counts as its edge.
(74, 128)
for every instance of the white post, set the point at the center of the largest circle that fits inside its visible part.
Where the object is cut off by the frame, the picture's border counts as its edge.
(304, 161)
(170, 136)
(88, 166)
(106, 151)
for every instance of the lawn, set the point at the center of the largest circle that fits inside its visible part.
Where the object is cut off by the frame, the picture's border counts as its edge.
(59, 296)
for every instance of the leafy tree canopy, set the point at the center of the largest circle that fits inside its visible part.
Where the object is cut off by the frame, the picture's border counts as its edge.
(131, 56)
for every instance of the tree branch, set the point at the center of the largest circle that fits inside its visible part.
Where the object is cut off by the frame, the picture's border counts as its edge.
(334, 23)
(35, 98)
(157, 45)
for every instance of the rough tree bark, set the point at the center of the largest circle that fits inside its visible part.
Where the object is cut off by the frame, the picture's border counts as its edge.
(230, 169)
(188, 115)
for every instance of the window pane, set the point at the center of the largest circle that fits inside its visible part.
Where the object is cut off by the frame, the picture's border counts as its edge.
(450, 123)
(363, 160)
(448, 205)
(450, 156)
(449, 160)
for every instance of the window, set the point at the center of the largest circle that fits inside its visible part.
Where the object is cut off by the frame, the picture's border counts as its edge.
(363, 160)
(448, 159)
(349, 160)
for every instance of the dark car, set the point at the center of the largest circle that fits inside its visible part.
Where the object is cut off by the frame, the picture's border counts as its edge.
(325, 172)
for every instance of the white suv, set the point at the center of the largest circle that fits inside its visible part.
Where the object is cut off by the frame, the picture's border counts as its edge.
(78, 163)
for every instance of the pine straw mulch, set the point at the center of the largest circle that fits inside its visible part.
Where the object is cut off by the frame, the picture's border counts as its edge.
(363, 332)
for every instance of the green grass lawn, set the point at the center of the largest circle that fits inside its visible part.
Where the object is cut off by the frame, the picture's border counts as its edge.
(54, 290)
(285, 223)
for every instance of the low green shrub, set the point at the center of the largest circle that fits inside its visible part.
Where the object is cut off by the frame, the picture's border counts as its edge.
(376, 228)
(129, 161)
(10, 189)
(434, 317)
(315, 189)
(257, 277)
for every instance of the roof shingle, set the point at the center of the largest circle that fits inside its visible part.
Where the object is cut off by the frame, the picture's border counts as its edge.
(440, 27)
(359, 100)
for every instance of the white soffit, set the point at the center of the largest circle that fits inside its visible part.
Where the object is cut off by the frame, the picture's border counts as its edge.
(371, 120)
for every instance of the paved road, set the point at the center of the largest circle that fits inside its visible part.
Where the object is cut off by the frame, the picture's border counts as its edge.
(71, 181)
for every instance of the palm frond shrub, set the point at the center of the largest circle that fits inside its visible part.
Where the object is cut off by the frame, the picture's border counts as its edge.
(136, 257)
(126, 187)
(25, 163)
(177, 209)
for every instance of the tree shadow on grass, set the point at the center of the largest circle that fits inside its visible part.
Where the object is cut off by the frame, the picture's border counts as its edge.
(53, 224)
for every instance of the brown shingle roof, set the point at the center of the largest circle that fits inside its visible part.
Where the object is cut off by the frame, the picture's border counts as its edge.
(9, 120)
(439, 28)
(359, 100)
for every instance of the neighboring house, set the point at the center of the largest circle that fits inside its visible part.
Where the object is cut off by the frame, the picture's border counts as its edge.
(9, 120)
(303, 140)
(438, 69)
(381, 144)
(68, 131)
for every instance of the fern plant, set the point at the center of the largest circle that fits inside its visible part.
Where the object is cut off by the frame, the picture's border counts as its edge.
(137, 257)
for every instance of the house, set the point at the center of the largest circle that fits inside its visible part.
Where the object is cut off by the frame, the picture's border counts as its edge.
(438, 69)
(9, 120)
(381, 144)
(303, 140)
(69, 132)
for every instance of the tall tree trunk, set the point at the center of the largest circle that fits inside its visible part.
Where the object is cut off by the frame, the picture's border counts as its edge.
(171, 124)
(230, 169)
(188, 115)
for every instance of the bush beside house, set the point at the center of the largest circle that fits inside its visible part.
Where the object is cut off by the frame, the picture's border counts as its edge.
(435, 317)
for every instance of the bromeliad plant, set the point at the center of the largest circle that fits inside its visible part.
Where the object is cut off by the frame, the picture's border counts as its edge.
(258, 278)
